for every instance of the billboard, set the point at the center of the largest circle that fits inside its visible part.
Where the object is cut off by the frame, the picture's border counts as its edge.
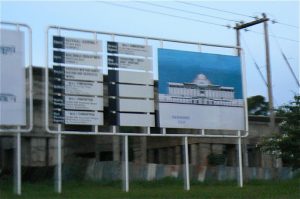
(12, 78)
(200, 90)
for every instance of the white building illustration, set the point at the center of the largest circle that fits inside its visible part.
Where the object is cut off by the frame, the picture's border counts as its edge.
(200, 91)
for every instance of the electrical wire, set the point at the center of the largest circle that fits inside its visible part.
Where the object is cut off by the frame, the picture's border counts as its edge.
(286, 60)
(284, 24)
(165, 14)
(210, 8)
(186, 11)
(254, 61)
(272, 35)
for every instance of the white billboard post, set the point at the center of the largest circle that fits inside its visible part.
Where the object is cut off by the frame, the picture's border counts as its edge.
(201, 98)
(16, 116)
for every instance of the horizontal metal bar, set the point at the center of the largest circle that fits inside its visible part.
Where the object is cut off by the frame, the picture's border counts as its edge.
(143, 37)
(145, 134)
(15, 24)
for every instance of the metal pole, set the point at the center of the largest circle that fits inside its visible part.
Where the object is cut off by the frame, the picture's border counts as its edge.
(186, 165)
(238, 41)
(269, 75)
(125, 165)
(240, 160)
(59, 177)
(18, 165)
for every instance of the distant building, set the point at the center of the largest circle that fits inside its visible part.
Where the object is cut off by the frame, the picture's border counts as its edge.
(200, 91)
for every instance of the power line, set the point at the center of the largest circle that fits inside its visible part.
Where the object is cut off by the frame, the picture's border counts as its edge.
(274, 21)
(254, 61)
(284, 24)
(210, 8)
(272, 35)
(286, 60)
(165, 14)
(186, 11)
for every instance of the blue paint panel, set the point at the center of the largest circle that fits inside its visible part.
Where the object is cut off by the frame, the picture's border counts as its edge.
(183, 66)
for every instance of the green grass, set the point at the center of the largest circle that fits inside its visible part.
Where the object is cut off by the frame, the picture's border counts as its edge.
(166, 188)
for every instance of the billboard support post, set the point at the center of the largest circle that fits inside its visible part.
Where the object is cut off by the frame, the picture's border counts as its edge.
(125, 165)
(17, 169)
(240, 176)
(58, 172)
(186, 165)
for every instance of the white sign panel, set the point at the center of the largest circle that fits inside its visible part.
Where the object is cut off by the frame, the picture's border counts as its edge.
(74, 73)
(136, 105)
(129, 49)
(83, 88)
(129, 63)
(12, 78)
(129, 119)
(199, 116)
(77, 58)
(137, 91)
(131, 77)
(76, 44)
(83, 103)
(83, 118)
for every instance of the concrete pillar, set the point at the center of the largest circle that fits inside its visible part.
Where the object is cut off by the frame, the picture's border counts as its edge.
(266, 160)
(217, 148)
(150, 156)
(143, 151)
(116, 148)
(161, 156)
(170, 155)
(278, 162)
(194, 154)
(178, 155)
(231, 156)
(140, 150)
(245, 155)
(203, 152)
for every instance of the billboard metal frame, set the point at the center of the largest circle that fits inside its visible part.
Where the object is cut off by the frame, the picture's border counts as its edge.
(18, 130)
(238, 135)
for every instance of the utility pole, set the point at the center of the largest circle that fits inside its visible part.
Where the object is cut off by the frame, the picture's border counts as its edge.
(239, 27)
(269, 75)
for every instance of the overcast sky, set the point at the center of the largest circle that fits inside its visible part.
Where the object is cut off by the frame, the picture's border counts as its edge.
(111, 18)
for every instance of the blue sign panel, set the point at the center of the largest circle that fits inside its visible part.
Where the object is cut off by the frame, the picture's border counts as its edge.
(200, 90)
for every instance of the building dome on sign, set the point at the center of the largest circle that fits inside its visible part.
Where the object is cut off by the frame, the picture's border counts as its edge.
(201, 79)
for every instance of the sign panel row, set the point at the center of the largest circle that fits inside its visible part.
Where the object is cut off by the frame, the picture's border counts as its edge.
(129, 49)
(77, 58)
(78, 87)
(130, 91)
(131, 119)
(129, 63)
(131, 105)
(78, 117)
(76, 44)
(78, 103)
(129, 77)
(75, 73)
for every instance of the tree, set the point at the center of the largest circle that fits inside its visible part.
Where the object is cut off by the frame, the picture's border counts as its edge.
(286, 144)
(257, 105)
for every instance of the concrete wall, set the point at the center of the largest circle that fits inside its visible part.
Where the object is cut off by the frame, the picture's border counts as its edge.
(96, 170)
